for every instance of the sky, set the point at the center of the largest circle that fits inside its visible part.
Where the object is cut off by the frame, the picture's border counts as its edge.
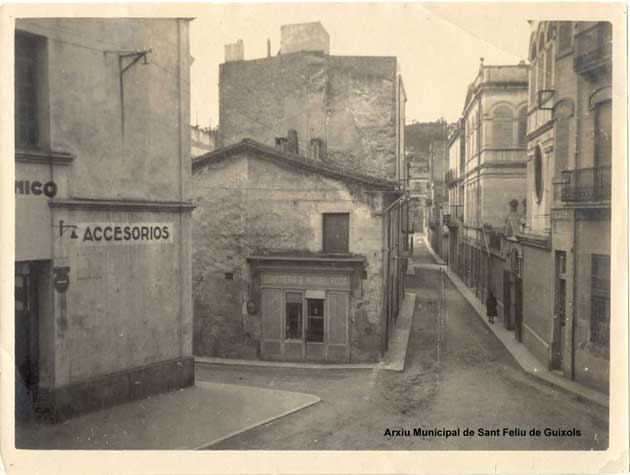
(438, 46)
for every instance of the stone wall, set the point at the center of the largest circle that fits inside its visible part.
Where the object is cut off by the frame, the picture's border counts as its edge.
(348, 102)
(247, 205)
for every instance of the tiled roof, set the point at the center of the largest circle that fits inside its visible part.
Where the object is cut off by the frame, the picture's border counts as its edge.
(328, 169)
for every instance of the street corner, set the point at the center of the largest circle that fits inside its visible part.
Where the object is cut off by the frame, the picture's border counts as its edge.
(188, 419)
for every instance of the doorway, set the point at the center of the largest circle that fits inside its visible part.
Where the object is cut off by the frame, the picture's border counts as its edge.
(559, 313)
(26, 338)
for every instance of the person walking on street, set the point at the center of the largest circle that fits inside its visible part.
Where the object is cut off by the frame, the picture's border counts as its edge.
(491, 306)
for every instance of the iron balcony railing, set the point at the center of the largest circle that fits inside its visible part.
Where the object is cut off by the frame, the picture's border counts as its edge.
(593, 48)
(586, 185)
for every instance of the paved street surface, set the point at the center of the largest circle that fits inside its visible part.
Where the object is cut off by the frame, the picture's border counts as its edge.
(457, 375)
(186, 419)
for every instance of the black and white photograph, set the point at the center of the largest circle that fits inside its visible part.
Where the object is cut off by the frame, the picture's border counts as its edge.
(316, 227)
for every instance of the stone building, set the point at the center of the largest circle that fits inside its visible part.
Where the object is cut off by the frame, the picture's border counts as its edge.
(353, 107)
(341, 112)
(418, 138)
(562, 256)
(290, 257)
(494, 175)
(202, 140)
(103, 310)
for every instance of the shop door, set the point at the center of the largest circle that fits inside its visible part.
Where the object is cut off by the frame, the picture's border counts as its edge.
(26, 339)
(272, 338)
(338, 348)
(315, 325)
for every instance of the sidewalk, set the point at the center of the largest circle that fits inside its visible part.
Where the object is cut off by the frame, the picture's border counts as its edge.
(519, 352)
(188, 419)
(392, 360)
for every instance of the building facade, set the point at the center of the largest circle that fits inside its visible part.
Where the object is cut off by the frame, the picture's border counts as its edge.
(494, 175)
(103, 310)
(290, 257)
(342, 112)
(438, 204)
(455, 189)
(564, 250)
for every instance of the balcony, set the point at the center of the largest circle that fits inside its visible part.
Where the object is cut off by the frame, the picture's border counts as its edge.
(593, 49)
(586, 185)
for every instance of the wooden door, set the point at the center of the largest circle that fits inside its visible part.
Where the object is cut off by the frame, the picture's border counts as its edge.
(338, 349)
(272, 334)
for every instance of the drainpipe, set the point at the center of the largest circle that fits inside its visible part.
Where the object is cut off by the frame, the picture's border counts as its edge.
(578, 131)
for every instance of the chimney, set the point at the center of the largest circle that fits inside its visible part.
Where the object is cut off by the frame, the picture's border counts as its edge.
(317, 149)
(292, 142)
(234, 52)
(281, 144)
(268, 48)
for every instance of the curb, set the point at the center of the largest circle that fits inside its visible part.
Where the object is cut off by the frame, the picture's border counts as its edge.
(400, 334)
(520, 353)
(315, 400)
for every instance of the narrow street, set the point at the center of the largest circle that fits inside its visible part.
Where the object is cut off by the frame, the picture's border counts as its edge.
(457, 375)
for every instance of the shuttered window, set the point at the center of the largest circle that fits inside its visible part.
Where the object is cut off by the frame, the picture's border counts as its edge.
(26, 113)
(336, 233)
(603, 133)
(600, 300)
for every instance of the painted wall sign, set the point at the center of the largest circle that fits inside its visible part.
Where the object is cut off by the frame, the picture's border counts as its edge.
(35, 187)
(321, 281)
(62, 280)
(119, 233)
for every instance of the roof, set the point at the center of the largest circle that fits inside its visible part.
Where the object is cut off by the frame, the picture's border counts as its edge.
(327, 169)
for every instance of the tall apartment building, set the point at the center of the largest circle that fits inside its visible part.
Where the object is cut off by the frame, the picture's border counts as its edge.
(563, 253)
(103, 308)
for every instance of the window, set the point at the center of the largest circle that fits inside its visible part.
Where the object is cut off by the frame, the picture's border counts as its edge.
(27, 131)
(565, 34)
(562, 114)
(315, 320)
(538, 174)
(522, 127)
(293, 314)
(603, 132)
(532, 86)
(502, 126)
(336, 233)
(600, 300)
(549, 68)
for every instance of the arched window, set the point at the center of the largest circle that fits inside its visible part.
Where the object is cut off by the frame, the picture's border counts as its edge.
(532, 48)
(502, 126)
(538, 174)
(565, 34)
(522, 126)
(549, 67)
(551, 29)
(561, 114)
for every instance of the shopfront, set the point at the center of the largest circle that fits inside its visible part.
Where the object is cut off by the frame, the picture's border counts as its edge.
(305, 315)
